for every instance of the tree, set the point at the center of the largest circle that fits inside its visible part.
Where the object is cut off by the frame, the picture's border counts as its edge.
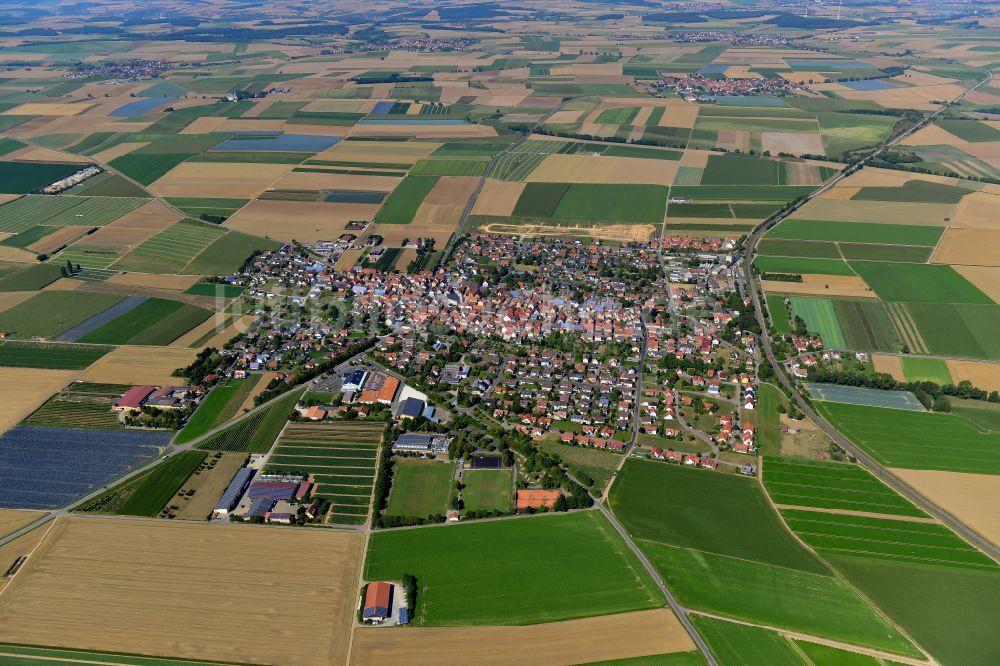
(561, 504)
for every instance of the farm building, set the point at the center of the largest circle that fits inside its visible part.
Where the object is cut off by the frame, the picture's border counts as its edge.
(414, 442)
(536, 499)
(132, 399)
(378, 601)
(273, 490)
(234, 492)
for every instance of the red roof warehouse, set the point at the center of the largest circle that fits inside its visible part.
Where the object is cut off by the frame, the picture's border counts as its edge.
(133, 398)
(378, 601)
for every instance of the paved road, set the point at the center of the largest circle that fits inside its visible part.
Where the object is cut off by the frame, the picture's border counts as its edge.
(866, 460)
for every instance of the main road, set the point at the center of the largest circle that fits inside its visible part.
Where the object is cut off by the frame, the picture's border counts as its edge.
(750, 287)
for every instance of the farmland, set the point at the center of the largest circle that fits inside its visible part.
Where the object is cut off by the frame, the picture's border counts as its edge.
(133, 590)
(831, 486)
(49, 313)
(918, 440)
(885, 539)
(156, 488)
(857, 232)
(567, 566)
(598, 465)
(593, 202)
(420, 488)
(401, 205)
(255, 433)
(24, 177)
(820, 318)
(155, 321)
(340, 458)
(738, 504)
(81, 405)
(54, 356)
(918, 283)
(220, 406)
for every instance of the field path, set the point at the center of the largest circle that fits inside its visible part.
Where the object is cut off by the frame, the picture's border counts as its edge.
(847, 647)
(862, 514)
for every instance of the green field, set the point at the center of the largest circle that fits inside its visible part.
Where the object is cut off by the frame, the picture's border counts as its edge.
(540, 199)
(986, 415)
(156, 321)
(14, 354)
(81, 405)
(25, 655)
(821, 318)
(32, 278)
(619, 116)
(170, 250)
(766, 418)
(49, 313)
(802, 266)
(824, 655)
(865, 324)
(926, 370)
(595, 463)
(793, 248)
(775, 596)
(227, 253)
(961, 330)
(738, 644)
(28, 212)
(420, 488)
(256, 433)
(340, 457)
(970, 130)
(740, 170)
(779, 313)
(826, 485)
(514, 572)
(910, 254)
(920, 191)
(668, 504)
(778, 193)
(159, 485)
(918, 283)
(928, 544)
(148, 167)
(857, 232)
(215, 289)
(846, 131)
(488, 490)
(963, 631)
(24, 177)
(449, 168)
(218, 407)
(916, 440)
(402, 203)
(613, 203)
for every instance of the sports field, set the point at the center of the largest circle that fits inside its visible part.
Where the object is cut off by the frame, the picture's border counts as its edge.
(916, 440)
(820, 317)
(832, 486)
(420, 488)
(528, 571)
(488, 490)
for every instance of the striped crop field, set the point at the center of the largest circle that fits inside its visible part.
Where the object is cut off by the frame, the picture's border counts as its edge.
(520, 161)
(62, 211)
(181, 242)
(340, 457)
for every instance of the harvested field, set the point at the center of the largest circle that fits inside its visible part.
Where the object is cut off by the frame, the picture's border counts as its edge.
(302, 220)
(12, 520)
(972, 498)
(877, 212)
(56, 239)
(441, 209)
(208, 486)
(308, 180)
(154, 281)
(971, 247)
(680, 115)
(733, 140)
(840, 193)
(139, 365)
(226, 334)
(469, 131)
(23, 390)
(9, 299)
(892, 365)
(982, 375)
(651, 632)
(977, 211)
(932, 135)
(207, 179)
(129, 598)
(498, 197)
(792, 142)
(22, 546)
(109, 154)
(850, 286)
(379, 151)
(48, 109)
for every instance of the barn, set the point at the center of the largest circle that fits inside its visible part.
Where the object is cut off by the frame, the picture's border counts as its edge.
(378, 601)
